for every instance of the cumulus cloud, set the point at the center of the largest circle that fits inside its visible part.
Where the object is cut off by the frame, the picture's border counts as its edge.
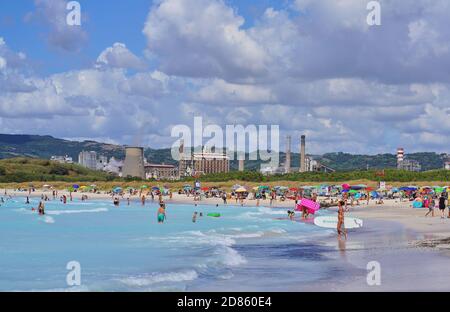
(202, 38)
(53, 13)
(118, 56)
(314, 67)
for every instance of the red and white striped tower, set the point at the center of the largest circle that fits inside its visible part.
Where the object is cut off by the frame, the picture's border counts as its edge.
(400, 155)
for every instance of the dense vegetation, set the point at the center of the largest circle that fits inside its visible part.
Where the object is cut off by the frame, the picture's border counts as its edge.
(28, 169)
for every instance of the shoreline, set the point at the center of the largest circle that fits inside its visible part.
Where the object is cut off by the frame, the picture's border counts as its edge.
(433, 229)
(393, 233)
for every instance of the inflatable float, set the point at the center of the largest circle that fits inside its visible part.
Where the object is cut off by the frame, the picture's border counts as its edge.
(311, 206)
(213, 214)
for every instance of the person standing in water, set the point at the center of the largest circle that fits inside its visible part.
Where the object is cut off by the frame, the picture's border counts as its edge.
(341, 224)
(143, 200)
(41, 208)
(161, 213)
(194, 217)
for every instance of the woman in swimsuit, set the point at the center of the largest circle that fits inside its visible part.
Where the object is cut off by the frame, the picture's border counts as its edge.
(340, 224)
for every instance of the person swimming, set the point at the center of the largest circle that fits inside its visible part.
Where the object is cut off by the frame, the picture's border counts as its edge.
(116, 201)
(161, 213)
(194, 217)
(291, 214)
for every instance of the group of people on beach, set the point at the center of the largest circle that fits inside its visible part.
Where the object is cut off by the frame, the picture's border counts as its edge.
(442, 202)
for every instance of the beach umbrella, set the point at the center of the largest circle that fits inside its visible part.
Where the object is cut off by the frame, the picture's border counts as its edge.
(144, 186)
(293, 189)
(155, 188)
(204, 188)
(117, 189)
(75, 186)
(241, 190)
(235, 187)
(345, 186)
(70, 189)
(353, 192)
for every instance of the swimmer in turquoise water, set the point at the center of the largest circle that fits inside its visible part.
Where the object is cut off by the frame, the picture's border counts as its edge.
(161, 213)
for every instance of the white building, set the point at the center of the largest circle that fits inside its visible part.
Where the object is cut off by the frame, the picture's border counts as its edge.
(88, 159)
(447, 165)
(62, 159)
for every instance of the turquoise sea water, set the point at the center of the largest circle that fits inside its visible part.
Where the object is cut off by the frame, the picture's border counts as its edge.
(125, 249)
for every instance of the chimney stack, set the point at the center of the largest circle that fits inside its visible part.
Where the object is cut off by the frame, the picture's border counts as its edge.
(241, 164)
(303, 154)
(288, 154)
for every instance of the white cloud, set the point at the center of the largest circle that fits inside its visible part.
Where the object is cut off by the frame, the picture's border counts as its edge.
(52, 13)
(118, 56)
(316, 69)
(202, 38)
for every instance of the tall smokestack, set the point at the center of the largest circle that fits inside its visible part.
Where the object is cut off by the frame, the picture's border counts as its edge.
(288, 154)
(303, 154)
(133, 165)
(241, 164)
(400, 156)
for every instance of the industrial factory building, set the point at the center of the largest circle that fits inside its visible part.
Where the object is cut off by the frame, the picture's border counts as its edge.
(306, 164)
(161, 171)
(202, 163)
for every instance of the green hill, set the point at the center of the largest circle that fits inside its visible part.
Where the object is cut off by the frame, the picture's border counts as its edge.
(46, 146)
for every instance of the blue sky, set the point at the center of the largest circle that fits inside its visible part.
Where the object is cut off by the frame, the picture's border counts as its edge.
(135, 69)
(101, 20)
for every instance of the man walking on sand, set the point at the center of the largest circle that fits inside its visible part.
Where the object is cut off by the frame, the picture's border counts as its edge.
(442, 205)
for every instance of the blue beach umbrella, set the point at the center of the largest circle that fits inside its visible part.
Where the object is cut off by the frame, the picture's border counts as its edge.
(117, 189)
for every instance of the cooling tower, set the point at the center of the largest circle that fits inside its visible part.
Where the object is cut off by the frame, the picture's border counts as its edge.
(303, 154)
(134, 162)
(288, 154)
